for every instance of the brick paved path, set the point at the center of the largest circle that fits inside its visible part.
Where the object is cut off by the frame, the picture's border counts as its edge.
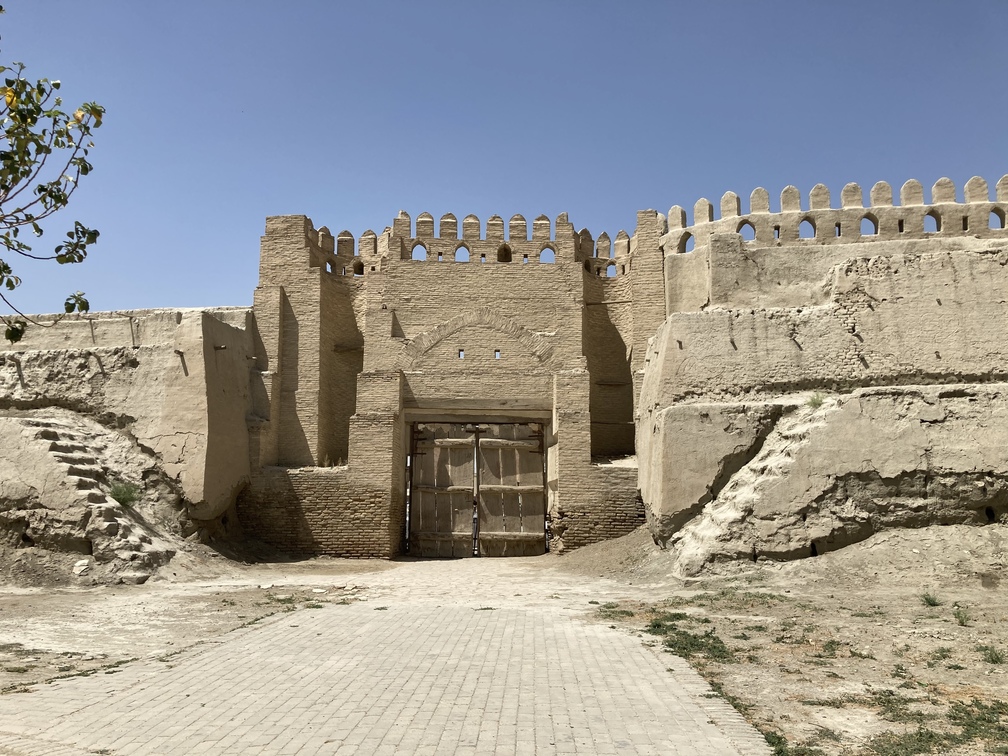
(467, 657)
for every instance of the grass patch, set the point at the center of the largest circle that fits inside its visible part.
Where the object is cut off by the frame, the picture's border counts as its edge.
(685, 643)
(961, 616)
(612, 611)
(782, 748)
(890, 704)
(815, 401)
(992, 655)
(909, 743)
(981, 721)
(829, 649)
(124, 492)
(929, 599)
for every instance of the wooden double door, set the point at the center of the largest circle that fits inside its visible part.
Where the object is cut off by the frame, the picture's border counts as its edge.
(476, 489)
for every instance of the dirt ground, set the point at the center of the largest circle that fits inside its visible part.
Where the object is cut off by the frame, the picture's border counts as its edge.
(898, 645)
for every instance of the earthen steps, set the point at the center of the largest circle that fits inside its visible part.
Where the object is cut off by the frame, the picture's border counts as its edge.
(94, 473)
(63, 447)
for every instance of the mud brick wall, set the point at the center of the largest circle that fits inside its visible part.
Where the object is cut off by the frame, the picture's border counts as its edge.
(313, 510)
(605, 505)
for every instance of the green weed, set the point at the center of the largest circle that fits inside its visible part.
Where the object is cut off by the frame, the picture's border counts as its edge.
(992, 655)
(124, 492)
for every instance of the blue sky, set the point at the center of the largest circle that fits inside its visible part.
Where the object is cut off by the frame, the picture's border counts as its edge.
(220, 113)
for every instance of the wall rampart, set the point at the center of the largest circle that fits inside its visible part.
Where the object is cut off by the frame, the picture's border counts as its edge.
(182, 391)
(420, 243)
(889, 320)
(880, 220)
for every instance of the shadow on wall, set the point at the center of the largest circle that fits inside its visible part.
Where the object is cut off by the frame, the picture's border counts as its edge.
(292, 437)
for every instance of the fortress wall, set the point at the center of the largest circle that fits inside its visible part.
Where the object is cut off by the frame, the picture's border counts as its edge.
(311, 510)
(599, 503)
(756, 325)
(767, 263)
(122, 328)
(448, 390)
(542, 299)
(890, 320)
(160, 391)
(341, 358)
(227, 357)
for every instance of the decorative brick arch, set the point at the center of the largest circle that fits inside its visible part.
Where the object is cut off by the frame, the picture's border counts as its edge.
(485, 316)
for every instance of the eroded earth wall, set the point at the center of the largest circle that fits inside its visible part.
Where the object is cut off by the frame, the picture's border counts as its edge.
(805, 392)
(177, 380)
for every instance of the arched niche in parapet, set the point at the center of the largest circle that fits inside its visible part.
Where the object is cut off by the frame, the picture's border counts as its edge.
(997, 218)
(686, 243)
(462, 253)
(746, 230)
(504, 253)
(547, 255)
(358, 267)
(932, 222)
(419, 252)
(807, 228)
(869, 225)
(611, 269)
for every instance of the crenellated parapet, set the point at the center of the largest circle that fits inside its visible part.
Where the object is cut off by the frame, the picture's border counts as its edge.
(475, 243)
(819, 222)
(346, 256)
(550, 243)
